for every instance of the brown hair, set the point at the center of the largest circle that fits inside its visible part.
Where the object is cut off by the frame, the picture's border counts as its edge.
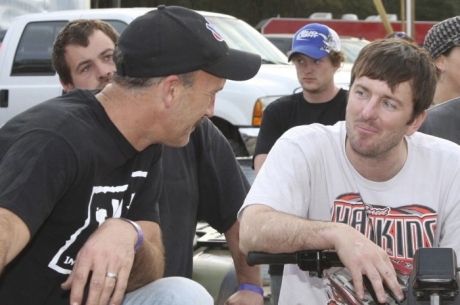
(395, 61)
(77, 32)
(337, 58)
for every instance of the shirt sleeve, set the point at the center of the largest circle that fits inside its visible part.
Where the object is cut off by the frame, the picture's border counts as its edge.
(35, 172)
(270, 131)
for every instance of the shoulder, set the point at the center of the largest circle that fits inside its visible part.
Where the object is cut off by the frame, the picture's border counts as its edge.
(285, 101)
(434, 147)
(318, 133)
(443, 121)
(207, 131)
(446, 109)
(342, 95)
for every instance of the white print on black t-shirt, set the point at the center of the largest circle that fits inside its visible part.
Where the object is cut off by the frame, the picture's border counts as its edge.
(104, 202)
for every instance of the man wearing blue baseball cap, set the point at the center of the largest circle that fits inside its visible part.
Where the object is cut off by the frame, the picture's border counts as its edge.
(317, 55)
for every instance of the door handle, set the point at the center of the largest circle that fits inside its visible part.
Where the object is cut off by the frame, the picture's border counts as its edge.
(3, 98)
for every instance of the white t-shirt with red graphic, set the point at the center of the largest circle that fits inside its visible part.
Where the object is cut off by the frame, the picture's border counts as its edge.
(308, 174)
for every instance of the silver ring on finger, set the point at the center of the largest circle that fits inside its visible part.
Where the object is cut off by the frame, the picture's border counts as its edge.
(111, 275)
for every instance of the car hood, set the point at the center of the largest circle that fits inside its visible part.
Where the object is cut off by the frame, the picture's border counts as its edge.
(271, 80)
(275, 80)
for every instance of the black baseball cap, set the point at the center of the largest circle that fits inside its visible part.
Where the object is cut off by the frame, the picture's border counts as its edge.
(175, 40)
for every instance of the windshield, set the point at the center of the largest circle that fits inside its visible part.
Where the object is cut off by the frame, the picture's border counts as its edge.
(351, 48)
(241, 36)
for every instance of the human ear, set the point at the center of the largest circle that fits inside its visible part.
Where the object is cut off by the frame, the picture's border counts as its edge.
(171, 86)
(415, 125)
(67, 87)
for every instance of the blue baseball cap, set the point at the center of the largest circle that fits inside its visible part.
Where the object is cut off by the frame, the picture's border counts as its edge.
(315, 41)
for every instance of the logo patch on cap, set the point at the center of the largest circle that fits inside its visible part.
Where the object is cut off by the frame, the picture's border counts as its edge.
(328, 40)
(310, 34)
(214, 32)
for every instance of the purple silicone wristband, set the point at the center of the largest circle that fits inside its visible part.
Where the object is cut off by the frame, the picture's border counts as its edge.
(140, 234)
(251, 287)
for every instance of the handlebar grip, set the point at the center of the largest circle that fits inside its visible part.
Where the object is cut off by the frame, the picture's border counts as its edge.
(258, 258)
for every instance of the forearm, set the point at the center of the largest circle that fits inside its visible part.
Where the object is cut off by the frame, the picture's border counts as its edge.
(14, 235)
(148, 263)
(266, 230)
(244, 273)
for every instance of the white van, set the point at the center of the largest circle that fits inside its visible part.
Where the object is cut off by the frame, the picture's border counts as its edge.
(27, 76)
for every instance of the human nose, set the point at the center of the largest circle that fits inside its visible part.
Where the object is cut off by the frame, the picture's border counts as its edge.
(370, 109)
(210, 109)
(105, 72)
(307, 67)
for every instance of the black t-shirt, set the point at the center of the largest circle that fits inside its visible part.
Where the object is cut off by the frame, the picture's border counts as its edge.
(64, 169)
(294, 110)
(202, 181)
(443, 121)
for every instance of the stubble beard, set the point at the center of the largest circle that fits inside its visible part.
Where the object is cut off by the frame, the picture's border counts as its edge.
(373, 150)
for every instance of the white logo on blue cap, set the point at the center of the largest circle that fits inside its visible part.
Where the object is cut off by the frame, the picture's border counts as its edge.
(315, 40)
(328, 40)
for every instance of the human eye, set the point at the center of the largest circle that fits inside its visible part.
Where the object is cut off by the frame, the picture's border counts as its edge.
(317, 61)
(85, 68)
(360, 93)
(389, 104)
(298, 61)
(108, 57)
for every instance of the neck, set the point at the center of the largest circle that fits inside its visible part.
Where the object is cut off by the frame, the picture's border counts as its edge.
(445, 91)
(321, 97)
(125, 110)
(378, 168)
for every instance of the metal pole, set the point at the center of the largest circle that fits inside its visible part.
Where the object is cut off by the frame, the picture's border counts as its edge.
(383, 16)
(409, 21)
(403, 16)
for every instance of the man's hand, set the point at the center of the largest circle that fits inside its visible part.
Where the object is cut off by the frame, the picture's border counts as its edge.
(245, 297)
(361, 256)
(109, 250)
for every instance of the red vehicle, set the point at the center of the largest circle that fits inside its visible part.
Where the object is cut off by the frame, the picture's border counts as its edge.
(369, 30)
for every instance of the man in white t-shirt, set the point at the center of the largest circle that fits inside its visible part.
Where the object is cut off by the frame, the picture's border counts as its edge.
(371, 188)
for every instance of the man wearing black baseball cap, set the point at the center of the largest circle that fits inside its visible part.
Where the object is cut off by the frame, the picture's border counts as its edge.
(174, 40)
(80, 174)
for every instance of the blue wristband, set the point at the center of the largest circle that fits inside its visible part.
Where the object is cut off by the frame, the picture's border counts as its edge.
(140, 234)
(251, 287)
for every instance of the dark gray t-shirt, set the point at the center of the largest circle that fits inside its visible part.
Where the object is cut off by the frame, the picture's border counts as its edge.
(443, 121)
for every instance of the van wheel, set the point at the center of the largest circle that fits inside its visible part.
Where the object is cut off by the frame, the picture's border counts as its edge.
(228, 287)
(233, 136)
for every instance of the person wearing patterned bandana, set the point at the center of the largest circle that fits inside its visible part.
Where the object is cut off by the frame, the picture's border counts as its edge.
(81, 174)
(316, 55)
(443, 43)
(371, 187)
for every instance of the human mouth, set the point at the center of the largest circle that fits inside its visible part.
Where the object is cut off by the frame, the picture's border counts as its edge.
(367, 128)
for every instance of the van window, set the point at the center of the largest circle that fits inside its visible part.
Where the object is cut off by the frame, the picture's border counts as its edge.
(33, 55)
(120, 26)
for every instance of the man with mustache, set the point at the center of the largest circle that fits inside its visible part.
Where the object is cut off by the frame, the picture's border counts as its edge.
(370, 187)
(81, 174)
(201, 181)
